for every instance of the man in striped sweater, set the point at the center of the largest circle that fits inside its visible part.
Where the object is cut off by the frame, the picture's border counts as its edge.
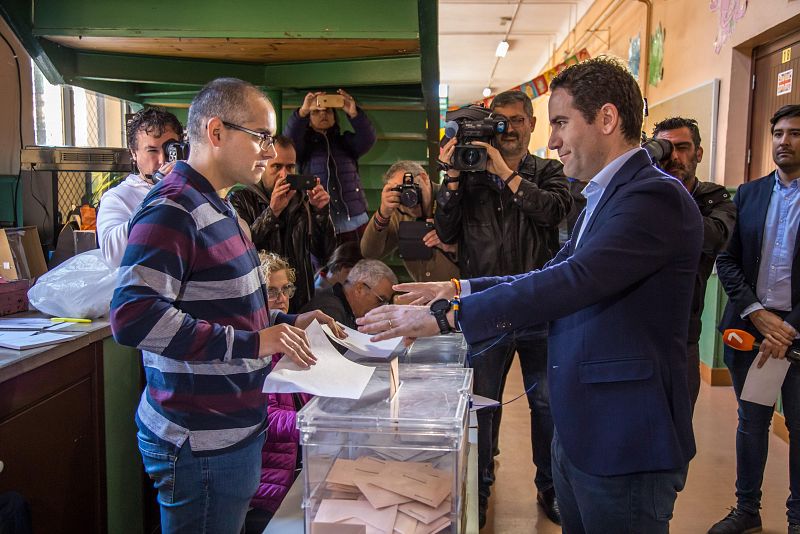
(192, 298)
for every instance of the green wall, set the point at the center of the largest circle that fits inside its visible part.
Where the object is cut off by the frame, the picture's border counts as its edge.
(124, 470)
(7, 185)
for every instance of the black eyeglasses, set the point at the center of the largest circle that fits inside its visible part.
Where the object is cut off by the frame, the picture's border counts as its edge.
(275, 292)
(265, 140)
(382, 301)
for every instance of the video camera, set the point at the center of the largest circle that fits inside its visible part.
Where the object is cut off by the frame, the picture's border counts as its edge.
(410, 192)
(659, 150)
(472, 123)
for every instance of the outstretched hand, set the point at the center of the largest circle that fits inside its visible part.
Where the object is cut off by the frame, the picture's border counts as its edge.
(395, 321)
(423, 293)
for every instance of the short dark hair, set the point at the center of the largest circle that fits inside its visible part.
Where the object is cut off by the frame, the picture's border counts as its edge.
(789, 110)
(600, 81)
(283, 141)
(152, 121)
(673, 123)
(508, 98)
(225, 98)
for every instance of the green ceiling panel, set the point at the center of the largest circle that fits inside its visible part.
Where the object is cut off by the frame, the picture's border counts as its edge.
(342, 19)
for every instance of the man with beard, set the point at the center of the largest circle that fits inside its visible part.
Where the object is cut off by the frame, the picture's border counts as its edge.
(505, 221)
(719, 216)
(759, 273)
(293, 224)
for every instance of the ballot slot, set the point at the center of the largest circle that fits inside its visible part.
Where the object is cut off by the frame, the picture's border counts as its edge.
(388, 464)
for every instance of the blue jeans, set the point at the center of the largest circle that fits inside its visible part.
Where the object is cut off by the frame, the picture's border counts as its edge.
(201, 494)
(752, 436)
(491, 366)
(639, 503)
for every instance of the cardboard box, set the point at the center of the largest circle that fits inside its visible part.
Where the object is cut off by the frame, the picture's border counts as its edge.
(21, 255)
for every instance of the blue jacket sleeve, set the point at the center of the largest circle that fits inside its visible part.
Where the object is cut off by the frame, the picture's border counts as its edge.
(632, 244)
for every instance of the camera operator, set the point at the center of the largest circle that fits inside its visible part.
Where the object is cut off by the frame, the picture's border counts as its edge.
(147, 132)
(294, 224)
(719, 218)
(324, 151)
(403, 203)
(505, 221)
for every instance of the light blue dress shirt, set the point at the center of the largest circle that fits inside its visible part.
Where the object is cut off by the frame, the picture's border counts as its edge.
(774, 285)
(596, 187)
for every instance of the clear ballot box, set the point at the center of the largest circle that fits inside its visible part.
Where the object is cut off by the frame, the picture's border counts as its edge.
(449, 351)
(376, 465)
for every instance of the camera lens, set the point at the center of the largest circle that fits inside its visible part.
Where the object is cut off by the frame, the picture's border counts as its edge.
(471, 156)
(409, 198)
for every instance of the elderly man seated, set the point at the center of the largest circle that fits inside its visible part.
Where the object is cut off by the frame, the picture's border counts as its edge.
(368, 286)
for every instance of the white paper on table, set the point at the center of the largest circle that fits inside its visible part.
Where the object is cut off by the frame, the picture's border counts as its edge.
(763, 385)
(22, 340)
(332, 376)
(30, 330)
(30, 323)
(360, 343)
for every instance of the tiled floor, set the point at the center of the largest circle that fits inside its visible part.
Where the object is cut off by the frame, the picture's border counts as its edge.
(709, 488)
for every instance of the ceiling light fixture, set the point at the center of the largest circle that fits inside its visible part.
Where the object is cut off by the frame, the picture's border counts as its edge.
(502, 49)
(487, 92)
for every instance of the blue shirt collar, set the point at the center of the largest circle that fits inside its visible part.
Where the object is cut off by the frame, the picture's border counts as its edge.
(779, 185)
(603, 178)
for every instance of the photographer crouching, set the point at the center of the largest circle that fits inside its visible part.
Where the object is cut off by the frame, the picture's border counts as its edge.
(404, 223)
(502, 206)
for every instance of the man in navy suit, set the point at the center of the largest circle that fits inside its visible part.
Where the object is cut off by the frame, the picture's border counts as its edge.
(761, 276)
(617, 296)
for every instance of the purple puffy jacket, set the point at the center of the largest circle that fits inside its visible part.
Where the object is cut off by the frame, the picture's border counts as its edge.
(333, 157)
(279, 455)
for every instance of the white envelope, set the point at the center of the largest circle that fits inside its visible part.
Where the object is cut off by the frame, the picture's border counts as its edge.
(361, 344)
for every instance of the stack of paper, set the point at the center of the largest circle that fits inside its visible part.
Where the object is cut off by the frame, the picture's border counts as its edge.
(25, 339)
(332, 376)
(31, 324)
(384, 497)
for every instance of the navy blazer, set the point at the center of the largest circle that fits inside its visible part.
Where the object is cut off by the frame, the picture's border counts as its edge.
(737, 266)
(619, 307)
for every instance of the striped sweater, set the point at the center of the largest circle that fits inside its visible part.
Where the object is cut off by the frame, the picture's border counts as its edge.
(190, 295)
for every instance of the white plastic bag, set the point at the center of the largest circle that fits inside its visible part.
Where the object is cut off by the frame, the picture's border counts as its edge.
(80, 287)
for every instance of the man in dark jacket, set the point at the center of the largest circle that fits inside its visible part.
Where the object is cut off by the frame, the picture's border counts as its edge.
(719, 217)
(505, 222)
(293, 224)
(322, 150)
(760, 272)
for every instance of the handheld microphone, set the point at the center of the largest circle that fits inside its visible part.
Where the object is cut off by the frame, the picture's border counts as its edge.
(450, 129)
(745, 341)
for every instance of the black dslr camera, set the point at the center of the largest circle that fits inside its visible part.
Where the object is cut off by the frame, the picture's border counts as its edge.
(410, 192)
(659, 150)
(175, 150)
(472, 123)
